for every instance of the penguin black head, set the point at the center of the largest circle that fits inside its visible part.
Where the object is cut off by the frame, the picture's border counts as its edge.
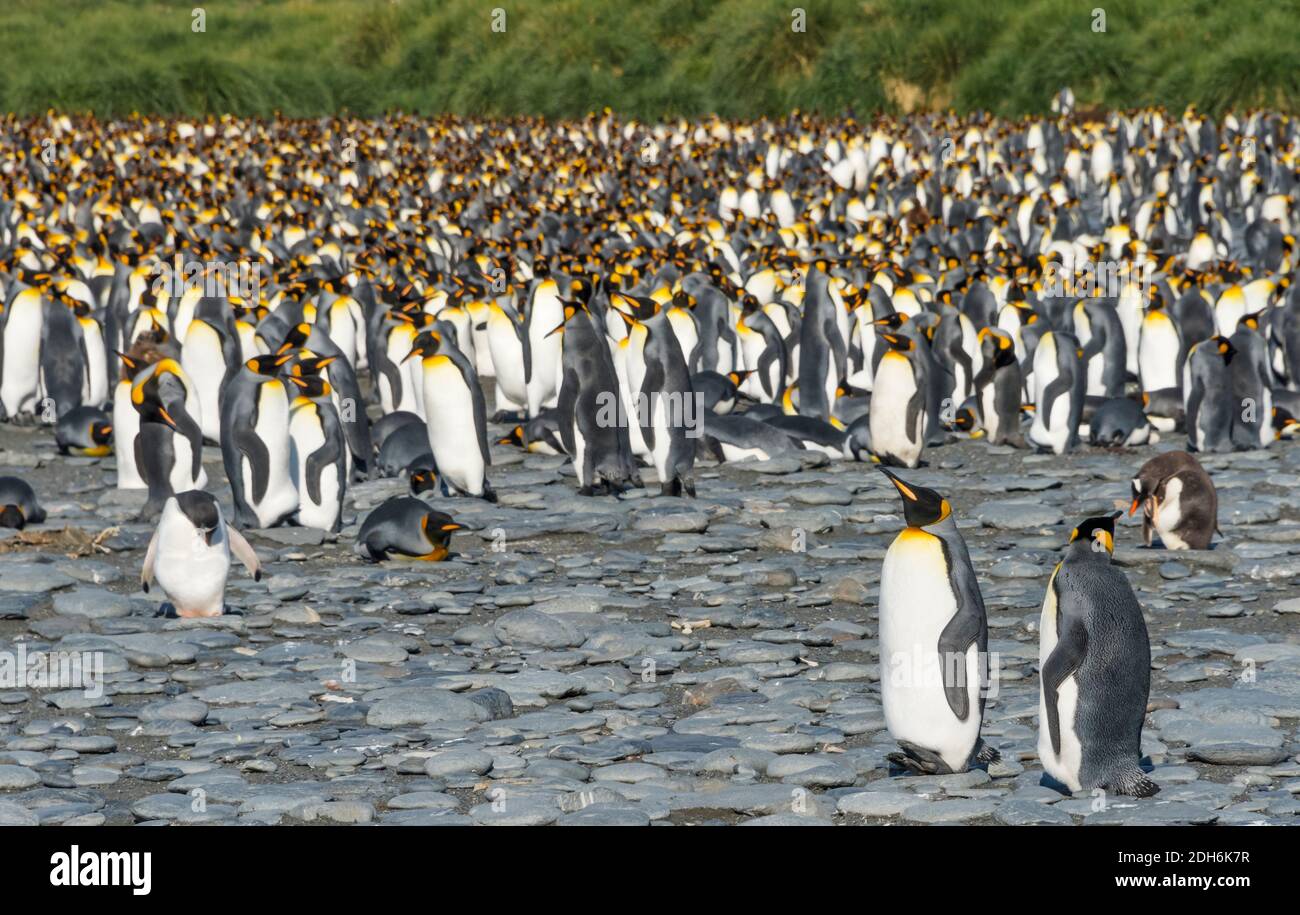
(921, 506)
(12, 516)
(311, 386)
(101, 432)
(295, 338)
(425, 344)
(201, 508)
(1097, 532)
(422, 478)
(267, 365)
(516, 437)
(899, 342)
(438, 527)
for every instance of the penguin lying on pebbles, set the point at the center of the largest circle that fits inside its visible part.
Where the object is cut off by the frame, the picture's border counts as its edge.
(405, 526)
(18, 505)
(189, 555)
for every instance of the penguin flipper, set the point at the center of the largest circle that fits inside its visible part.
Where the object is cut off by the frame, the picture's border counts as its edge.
(250, 446)
(239, 546)
(651, 387)
(1133, 782)
(1055, 388)
(962, 631)
(326, 455)
(150, 555)
(1071, 647)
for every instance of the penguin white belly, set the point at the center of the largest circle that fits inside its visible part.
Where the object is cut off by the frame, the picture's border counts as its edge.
(541, 388)
(625, 364)
(916, 603)
(1063, 766)
(579, 455)
(508, 357)
(191, 572)
(1168, 515)
(96, 384)
(305, 439)
(281, 497)
(22, 350)
(453, 437)
(890, 435)
(1157, 357)
(660, 421)
(736, 453)
(202, 360)
(988, 406)
(126, 426)
(182, 476)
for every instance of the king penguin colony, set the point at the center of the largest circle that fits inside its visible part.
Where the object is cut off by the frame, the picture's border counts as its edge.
(649, 299)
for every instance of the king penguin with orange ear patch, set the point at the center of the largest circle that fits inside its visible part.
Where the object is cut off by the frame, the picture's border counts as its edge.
(933, 640)
(1095, 667)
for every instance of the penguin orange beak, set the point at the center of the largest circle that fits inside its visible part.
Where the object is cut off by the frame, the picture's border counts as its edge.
(555, 330)
(415, 351)
(1132, 508)
(899, 484)
(452, 527)
(167, 417)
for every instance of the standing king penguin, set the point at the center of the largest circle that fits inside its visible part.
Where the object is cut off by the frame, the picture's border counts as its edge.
(1095, 666)
(933, 640)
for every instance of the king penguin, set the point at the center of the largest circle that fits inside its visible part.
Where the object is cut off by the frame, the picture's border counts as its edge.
(255, 444)
(406, 526)
(933, 640)
(898, 404)
(319, 454)
(1095, 667)
(456, 416)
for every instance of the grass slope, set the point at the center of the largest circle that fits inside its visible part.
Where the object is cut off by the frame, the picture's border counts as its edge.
(647, 58)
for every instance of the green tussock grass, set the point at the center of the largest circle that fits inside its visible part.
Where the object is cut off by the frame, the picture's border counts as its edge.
(646, 58)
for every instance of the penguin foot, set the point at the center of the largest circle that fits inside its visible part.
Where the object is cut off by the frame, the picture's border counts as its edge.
(919, 761)
(489, 494)
(167, 611)
(227, 610)
(1134, 783)
(985, 753)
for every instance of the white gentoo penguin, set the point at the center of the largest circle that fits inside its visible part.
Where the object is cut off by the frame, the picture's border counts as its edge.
(405, 526)
(318, 454)
(1059, 385)
(933, 640)
(998, 384)
(169, 446)
(898, 404)
(1178, 501)
(189, 555)
(22, 325)
(456, 416)
(1095, 668)
(18, 504)
(255, 444)
(85, 431)
(1208, 403)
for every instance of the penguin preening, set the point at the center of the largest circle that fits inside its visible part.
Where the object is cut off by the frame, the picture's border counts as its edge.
(1178, 501)
(1095, 669)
